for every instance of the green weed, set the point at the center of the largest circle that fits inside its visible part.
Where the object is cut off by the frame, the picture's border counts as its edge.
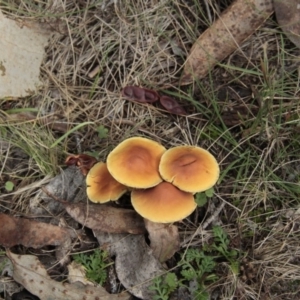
(201, 198)
(95, 265)
(199, 267)
(9, 186)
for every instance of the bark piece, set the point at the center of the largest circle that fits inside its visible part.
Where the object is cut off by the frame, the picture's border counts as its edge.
(21, 53)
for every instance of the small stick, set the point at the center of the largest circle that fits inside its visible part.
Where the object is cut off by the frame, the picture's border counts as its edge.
(205, 224)
(94, 72)
(52, 196)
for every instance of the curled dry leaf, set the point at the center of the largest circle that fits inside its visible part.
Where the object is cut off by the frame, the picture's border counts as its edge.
(135, 264)
(30, 233)
(235, 24)
(288, 17)
(164, 239)
(29, 272)
(106, 218)
(83, 161)
(139, 94)
(172, 106)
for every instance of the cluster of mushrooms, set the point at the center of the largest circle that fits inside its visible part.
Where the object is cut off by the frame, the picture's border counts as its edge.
(162, 182)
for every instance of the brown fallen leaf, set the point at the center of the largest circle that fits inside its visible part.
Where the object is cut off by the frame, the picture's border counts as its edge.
(235, 24)
(288, 17)
(29, 272)
(103, 217)
(164, 239)
(135, 264)
(83, 161)
(30, 233)
(106, 218)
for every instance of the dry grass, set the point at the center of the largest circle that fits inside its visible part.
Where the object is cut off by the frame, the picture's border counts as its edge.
(246, 112)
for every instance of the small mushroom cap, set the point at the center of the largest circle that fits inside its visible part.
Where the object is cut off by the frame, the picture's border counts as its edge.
(101, 186)
(191, 169)
(135, 161)
(163, 203)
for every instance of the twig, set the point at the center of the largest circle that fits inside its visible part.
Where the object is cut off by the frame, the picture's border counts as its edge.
(52, 196)
(205, 224)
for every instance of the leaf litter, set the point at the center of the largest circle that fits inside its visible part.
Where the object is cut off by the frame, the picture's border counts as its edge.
(119, 251)
(164, 239)
(30, 273)
(30, 233)
(104, 217)
(135, 263)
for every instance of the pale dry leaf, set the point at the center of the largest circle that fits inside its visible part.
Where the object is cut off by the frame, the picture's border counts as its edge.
(29, 272)
(235, 24)
(21, 53)
(30, 233)
(77, 273)
(288, 17)
(135, 264)
(164, 239)
(106, 218)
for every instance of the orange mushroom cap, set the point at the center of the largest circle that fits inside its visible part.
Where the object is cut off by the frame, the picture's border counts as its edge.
(163, 203)
(135, 161)
(191, 169)
(101, 186)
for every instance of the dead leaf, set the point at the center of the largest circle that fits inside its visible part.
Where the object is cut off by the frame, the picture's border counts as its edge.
(164, 239)
(235, 24)
(288, 17)
(135, 264)
(30, 233)
(21, 53)
(68, 185)
(77, 273)
(106, 218)
(83, 161)
(29, 272)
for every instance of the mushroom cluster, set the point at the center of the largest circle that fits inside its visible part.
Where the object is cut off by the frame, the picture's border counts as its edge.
(162, 182)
